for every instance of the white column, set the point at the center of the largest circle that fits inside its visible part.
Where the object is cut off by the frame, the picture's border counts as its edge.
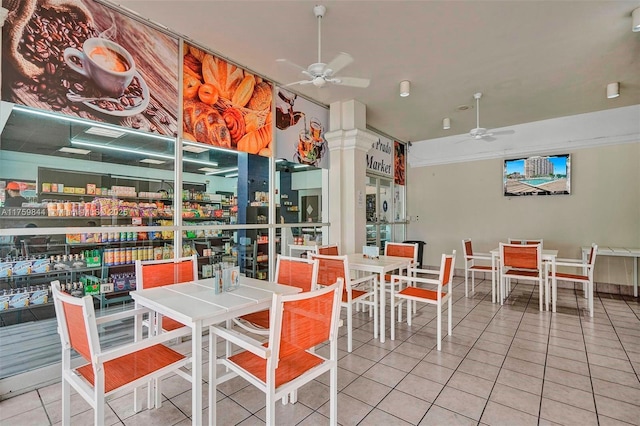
(348, 145)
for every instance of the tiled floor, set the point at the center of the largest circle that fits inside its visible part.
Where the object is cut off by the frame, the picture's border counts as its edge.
(504, 365)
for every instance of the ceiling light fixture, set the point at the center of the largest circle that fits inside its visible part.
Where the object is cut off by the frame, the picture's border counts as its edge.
(405, 88)
(101, 131)
(221, 171)
(71, 150)
(70, 119)
(232, 175)
(613, 90)
(446, 123)
(207, 169)
(152, 161)
(635, 20)
(206, 147)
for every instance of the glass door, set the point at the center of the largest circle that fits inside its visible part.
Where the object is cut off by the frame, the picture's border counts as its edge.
(384, 211)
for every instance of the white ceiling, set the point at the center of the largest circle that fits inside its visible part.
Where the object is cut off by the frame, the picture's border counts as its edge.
(533, 60)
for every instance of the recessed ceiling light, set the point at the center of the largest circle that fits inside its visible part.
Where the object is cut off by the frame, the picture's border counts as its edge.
(152, 161)
(74, 150)
(463, 107)
(207, 169)
(101, 131)
(232, 175)
(194, 148)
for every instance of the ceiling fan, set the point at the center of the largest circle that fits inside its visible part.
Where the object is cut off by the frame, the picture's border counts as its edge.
(321, 73)
(478, 132)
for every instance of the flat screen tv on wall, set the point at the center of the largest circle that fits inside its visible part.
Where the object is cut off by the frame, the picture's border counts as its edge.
(537, 175)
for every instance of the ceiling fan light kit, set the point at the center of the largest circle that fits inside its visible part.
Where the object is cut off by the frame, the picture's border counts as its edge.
(446, 123)
(635, 20)
(613, 90)
(320, 73)
(405, 88)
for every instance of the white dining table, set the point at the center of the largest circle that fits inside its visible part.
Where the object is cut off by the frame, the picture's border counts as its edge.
(380, 265)
(498, 293)
(633, 253)
(196, 305)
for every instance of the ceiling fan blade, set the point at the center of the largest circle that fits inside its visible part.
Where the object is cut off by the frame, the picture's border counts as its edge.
(291, 64)
(337, 63)
(301, 82)
(352, 81)
(503, 132)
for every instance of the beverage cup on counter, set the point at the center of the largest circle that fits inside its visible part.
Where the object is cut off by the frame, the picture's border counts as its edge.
(109, 65)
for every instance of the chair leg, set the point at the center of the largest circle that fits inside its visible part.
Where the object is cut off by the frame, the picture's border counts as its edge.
(349, 327)
(590, 291)
(393, 318)
(271, 408)
(439, 324)
(450, 316)
(399, 310)
(409, 316)
(212, 377)
(466, 285)
(66, 402)
(333, 395)
(540, 296)
(473, 282)
(158, 393)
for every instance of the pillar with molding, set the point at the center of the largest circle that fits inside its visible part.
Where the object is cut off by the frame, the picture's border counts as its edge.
(349, 142)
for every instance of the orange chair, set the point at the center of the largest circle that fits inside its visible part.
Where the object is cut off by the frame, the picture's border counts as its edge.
(470, 265)
(438, 296)
(158, 273)
(330, 250)
(400, 250)
(115, 369)
(287, 361)
(360, 290)
(293, 271)
(586, 278)
(523, 262)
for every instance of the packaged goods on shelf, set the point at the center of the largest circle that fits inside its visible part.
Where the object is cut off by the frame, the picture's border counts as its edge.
(21, 267)
(40, 266)
(4, 302)
(5, 269)
(39, 297)
(19, 300)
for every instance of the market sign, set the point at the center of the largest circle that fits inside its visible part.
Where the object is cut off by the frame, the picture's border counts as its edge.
(380, 157)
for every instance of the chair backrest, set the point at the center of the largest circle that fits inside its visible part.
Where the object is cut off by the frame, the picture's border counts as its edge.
(158, 273)
(524, 242)
(76, 322)
(447, 267)
(592, 255)
(302, 321)
(466, 246)
(521, 256)
(402, 250)
(330, 268)
(331, 250)
(297, 272)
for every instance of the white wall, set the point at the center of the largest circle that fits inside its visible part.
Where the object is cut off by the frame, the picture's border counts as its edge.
(464, 200)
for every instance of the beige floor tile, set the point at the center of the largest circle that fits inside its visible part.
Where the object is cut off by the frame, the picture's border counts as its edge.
(527, 355)
(516, 398)
(615, 376)
(404, 406)
(496, 414)
(574, 354)
(471, 384)
(371, 352)
(568, 365)
(19, 404)
(355, 363)
(34, 417)
(350, 410)
(568, 395)
(379, 417)
(345, 377)
(617, 391)
(228, 412)
(566, 414)
(444, 359)
(433, 372)
(568, 378)
(461, 402)
(420, 387)
(313, 419)
(486, 357)
(290, 414)
(441, 416)
(526, 367)
(412, 350)
(399, 361)
(605, 361)
(475, 368)
(384, 374)
(520, 381)
(367, 391)
(168, 414)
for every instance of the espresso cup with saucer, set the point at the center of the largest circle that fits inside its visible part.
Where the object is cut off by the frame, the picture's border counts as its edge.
(109, 65)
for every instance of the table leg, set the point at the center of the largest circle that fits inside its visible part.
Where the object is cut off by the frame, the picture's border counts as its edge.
(635, 276)
(554, 285)
(376, 305)
(382, 312)
(493, 279)
(196, 374)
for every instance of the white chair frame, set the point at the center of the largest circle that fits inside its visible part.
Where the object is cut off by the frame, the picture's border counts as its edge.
(586, 278)
(96, 395)
(507, 272)
(442, 296)
(470, 266)
(271, 354)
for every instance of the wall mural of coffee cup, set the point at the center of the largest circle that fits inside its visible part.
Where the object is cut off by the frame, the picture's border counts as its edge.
(83, 58)
(301, 125)
(225, 105)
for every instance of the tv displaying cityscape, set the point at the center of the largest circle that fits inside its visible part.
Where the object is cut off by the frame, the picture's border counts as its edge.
(538, 175)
